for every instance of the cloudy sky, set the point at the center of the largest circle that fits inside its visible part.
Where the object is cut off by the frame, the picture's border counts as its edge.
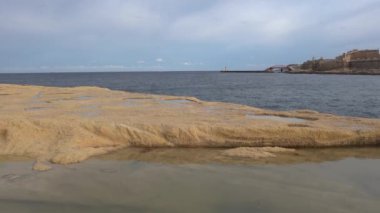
(154, 35)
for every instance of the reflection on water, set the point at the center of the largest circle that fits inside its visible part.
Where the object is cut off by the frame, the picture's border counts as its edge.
(188, 180)
(206, 156)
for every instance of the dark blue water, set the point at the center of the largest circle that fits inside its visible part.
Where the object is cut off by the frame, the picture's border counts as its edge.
(352, 95)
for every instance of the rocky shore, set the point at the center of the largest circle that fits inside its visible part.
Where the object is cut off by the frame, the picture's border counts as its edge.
(69, 125)
(337, 72)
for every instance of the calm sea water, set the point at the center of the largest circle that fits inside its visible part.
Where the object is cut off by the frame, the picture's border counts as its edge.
(338, 94)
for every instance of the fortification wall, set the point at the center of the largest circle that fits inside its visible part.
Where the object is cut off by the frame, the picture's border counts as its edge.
(370, 64)
(362, 55)
(324, 65)
(356, 60)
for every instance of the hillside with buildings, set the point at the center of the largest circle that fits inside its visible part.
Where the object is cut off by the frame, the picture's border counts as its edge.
(351, 62)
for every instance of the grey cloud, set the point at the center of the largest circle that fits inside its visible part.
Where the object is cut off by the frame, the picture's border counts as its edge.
(72, 33)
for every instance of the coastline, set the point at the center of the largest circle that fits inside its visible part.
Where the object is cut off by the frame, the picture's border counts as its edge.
(70, 125)
(335, 72)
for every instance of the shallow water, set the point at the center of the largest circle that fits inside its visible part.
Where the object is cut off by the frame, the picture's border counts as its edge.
(137, 186)
(194, 180)
(217, 156)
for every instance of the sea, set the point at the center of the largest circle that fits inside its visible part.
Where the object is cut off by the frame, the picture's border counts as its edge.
(349, 95)
(173, 180)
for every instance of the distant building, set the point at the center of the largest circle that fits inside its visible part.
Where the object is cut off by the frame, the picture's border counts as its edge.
(362, 59)
(359, 55)
(352, 60)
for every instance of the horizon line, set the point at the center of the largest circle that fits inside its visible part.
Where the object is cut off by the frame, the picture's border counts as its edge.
(127, 71)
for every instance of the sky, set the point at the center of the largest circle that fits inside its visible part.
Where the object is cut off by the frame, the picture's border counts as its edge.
(176, 35)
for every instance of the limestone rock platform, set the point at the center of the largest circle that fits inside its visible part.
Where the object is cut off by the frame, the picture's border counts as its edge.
(69, 125)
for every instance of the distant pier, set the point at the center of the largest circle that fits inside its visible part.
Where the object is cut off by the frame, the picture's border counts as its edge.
(244, 71)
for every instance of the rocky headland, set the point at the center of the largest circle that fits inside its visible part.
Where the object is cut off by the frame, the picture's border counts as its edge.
(354, 62)
(69, 125)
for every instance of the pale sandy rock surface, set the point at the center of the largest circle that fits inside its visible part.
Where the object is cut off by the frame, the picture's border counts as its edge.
(41, 166)
(256, 152)
(69, 125)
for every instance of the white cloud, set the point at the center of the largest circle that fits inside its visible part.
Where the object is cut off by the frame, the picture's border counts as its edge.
(159, 60)
(140, 62)
(189, 63)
